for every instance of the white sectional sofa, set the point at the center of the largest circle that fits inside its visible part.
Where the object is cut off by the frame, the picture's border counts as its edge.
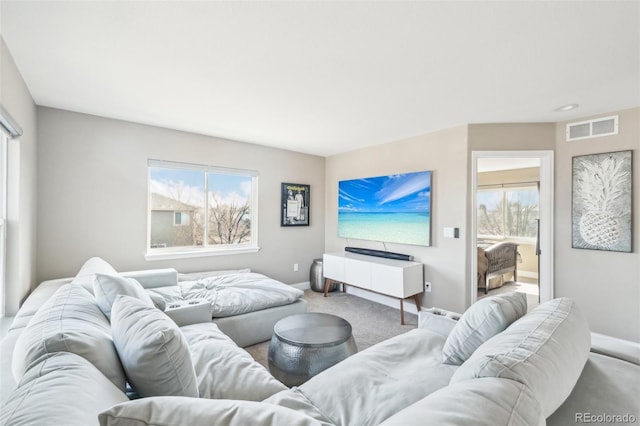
(245, 329)
(538, 369)
(494, 366)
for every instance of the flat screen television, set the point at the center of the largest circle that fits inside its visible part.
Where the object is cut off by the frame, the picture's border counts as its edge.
(394, 208)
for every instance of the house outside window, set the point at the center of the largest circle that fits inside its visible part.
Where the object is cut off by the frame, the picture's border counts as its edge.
(508, 212)
(197, 210)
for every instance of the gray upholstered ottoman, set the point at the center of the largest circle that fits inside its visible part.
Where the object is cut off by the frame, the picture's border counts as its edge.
(306, 344)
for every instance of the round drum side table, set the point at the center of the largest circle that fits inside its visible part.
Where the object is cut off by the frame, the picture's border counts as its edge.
(304, 345)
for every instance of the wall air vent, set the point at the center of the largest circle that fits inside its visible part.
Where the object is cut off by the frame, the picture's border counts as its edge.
(592, 128)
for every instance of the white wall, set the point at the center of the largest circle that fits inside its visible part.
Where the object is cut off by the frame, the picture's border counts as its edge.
(444, 153)
(92, 196)
(21, 188)
(448, 154)
(605, 284)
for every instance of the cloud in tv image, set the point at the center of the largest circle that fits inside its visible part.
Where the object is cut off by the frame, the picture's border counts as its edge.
(393, 208)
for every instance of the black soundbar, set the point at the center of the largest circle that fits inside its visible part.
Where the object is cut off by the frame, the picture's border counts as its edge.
(379, 253)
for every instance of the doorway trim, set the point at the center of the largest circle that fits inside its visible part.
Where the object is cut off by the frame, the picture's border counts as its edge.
(546, 217)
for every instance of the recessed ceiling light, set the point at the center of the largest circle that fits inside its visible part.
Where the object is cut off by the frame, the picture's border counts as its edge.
(567, 107)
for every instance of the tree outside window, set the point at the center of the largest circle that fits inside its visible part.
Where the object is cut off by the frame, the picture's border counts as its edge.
(229, 201)
(508, 212)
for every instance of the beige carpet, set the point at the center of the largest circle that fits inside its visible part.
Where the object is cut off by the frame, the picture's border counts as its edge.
(371, 322)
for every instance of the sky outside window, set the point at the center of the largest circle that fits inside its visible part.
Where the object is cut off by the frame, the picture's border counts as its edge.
(188, 186)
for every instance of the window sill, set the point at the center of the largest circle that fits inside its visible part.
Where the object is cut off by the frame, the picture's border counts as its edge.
(187, 254)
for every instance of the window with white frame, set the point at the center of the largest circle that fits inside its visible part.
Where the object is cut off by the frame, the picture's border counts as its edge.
(199, 210)
(508, 211)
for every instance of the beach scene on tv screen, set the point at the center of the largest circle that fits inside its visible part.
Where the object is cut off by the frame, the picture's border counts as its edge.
(394, 208)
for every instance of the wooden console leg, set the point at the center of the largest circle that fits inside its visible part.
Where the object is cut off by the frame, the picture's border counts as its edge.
(328, 282)
(401, 312)
(417, 298)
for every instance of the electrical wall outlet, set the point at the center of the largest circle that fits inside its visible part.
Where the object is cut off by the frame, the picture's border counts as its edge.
(427, 286)
(295, 267)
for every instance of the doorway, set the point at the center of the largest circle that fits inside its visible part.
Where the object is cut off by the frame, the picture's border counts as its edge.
(514, 190)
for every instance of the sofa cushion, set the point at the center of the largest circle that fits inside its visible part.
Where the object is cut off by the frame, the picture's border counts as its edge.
(545, 350)
(614, 347)
(255, 327)
(157, 300)
(481, 402)
(438, 320)
(70, 321)
(225, 371)
(483, 320)
(296, 400)
(152, 278)
(36, 299)
(60, 389)
(179, 411)
(107, 287)
(374, 384)
(170, 293)
(87, 272)
(607, 385)
(153, 351)
(195, 276)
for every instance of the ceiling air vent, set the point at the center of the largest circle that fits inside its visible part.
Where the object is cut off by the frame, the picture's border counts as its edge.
(592, 128)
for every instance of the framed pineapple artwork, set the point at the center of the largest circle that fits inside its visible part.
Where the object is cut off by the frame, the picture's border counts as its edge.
(601, 201)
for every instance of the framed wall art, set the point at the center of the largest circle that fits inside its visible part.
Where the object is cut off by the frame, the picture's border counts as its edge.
(394, 208)
(602, 201)
(295, 204)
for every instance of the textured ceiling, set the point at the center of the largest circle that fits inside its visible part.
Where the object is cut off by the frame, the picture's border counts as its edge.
(326, 77)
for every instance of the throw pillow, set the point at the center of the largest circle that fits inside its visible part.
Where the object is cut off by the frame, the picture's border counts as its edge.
(107, 287)
(483, 320)
(158, 301)
(152, 349)
(178, 411)
(88, 270)
(545, 350)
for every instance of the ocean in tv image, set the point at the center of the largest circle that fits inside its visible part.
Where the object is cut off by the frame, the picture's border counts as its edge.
(393, 208)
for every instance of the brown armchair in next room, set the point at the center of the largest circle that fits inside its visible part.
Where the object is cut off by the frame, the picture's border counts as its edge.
(494, 261)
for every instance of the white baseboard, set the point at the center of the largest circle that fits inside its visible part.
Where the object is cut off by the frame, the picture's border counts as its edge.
(306, 285)
(528, 274)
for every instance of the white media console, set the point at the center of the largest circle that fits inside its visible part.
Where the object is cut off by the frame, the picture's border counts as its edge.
(396, 278)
